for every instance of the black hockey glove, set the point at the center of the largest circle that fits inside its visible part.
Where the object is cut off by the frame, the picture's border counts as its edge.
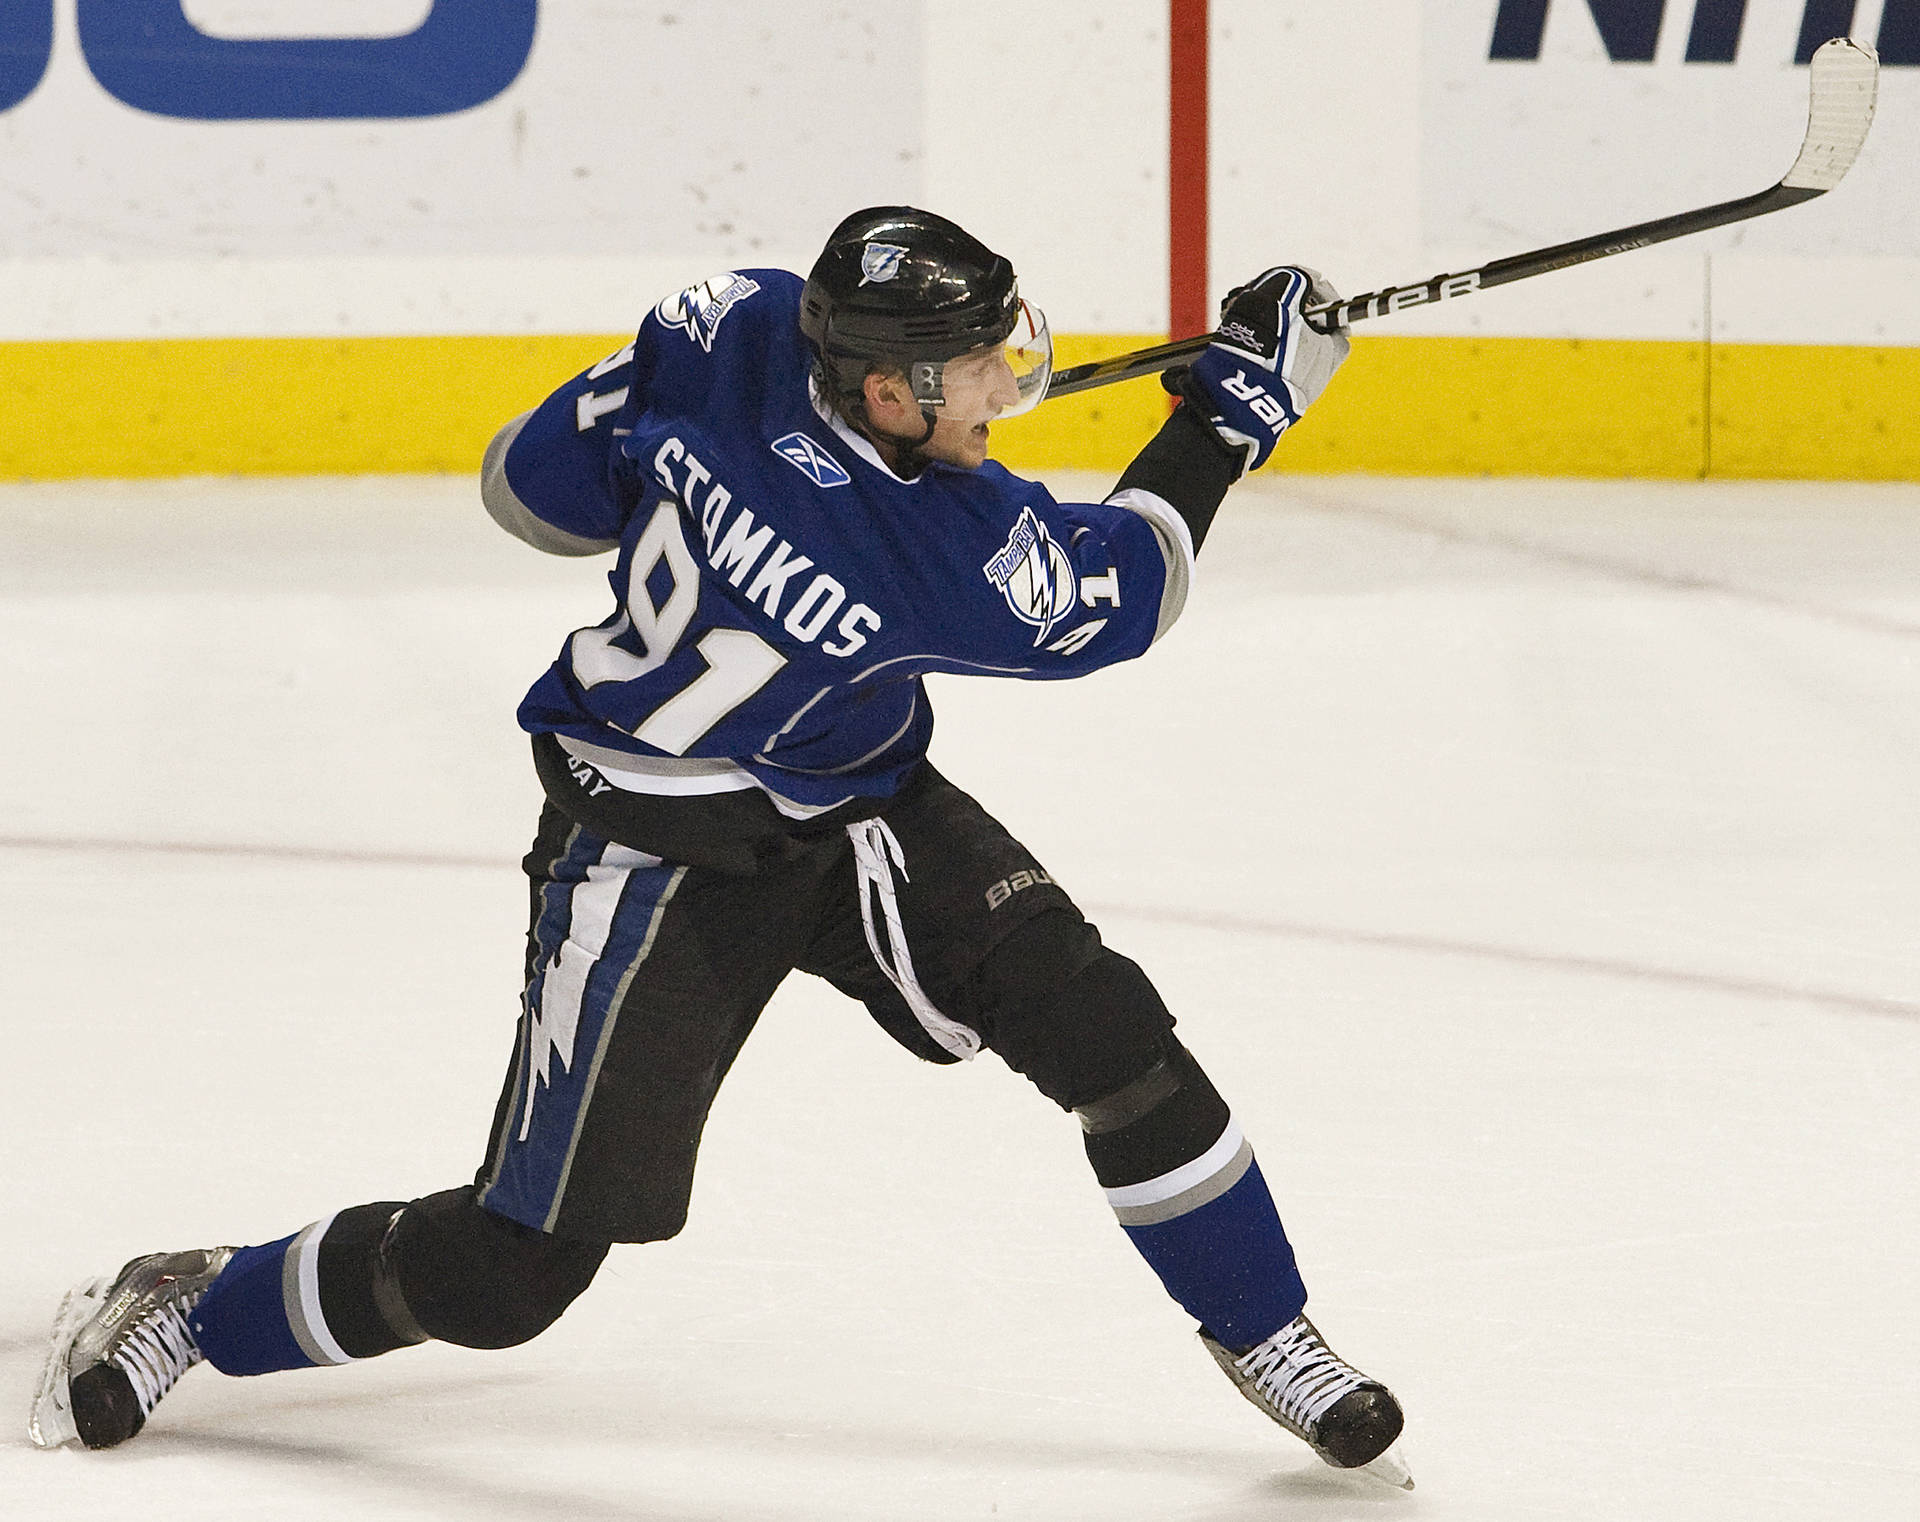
(1267, 364)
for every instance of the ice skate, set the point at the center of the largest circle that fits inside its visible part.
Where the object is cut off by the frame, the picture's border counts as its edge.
(119, 1345)
(1351, 1421)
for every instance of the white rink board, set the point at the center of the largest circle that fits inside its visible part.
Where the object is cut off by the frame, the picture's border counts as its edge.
(1392, 149)
(1537, 149)
(632, 130)
(647, 145)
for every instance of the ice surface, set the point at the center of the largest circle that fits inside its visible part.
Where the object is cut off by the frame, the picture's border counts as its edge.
(1536, 866)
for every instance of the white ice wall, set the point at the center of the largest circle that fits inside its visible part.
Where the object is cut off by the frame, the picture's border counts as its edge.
(1379, 141)
(648, 143)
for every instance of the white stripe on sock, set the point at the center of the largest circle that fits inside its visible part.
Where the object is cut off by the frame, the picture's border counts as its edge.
(311, 1329)
(1183, 1178)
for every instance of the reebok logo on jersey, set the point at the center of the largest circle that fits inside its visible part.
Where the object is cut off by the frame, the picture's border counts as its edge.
(1034, 575)
(805, 455)
(880, 262)
(699, 310)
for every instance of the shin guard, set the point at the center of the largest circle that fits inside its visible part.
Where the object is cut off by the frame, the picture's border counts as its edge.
(1184, 1185)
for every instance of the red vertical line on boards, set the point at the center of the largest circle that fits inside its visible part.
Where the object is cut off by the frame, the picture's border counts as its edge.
(1188, 313)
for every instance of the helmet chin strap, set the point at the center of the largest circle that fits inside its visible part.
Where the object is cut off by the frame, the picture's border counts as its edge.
(908, 461)
(912, 461)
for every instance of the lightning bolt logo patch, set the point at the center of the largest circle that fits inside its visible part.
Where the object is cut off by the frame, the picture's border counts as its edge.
(1034, 574)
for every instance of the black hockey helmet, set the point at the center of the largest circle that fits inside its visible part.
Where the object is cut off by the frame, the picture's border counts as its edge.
(901, 288)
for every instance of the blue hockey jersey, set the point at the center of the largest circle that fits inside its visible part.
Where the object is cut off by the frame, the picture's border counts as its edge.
(780, 592)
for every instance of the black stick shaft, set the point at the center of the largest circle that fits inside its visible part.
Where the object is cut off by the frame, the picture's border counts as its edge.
(1397, 298)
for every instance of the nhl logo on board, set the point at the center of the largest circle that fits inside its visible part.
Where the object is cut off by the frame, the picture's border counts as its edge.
(1034, 575)
(806, 456)
(880, 262)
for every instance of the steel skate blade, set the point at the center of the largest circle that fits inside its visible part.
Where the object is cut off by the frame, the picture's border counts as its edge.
(50, 1423)
(1390, 1469)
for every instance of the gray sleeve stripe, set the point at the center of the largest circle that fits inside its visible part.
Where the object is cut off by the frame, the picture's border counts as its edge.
(513, 515)
(1176, 547)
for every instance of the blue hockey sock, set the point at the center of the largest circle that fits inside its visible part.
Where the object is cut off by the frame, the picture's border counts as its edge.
(1210, 1231)
(241, 1323)
(267, 1311)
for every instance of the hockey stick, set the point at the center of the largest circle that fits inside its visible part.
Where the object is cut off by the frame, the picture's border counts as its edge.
(1842, 81)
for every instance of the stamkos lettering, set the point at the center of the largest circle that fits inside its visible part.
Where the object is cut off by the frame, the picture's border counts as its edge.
(851, 639)
(736, 546)
(697, 477)
(815, 608)
(734, 556)
(669, 451)
(710, 515)
(775, 572)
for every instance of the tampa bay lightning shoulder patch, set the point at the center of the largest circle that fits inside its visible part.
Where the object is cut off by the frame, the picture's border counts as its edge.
(699, 310)
(806, 455)
(1034, 574)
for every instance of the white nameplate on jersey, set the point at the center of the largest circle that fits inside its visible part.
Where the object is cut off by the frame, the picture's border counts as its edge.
(880, 262)
(1034, 575)
(699, 310)
(805, 455)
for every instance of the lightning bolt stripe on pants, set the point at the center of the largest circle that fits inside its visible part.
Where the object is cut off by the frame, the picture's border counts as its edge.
(599, 916)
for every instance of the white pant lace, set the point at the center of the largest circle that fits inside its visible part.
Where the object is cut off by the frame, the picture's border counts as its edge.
(876, 855)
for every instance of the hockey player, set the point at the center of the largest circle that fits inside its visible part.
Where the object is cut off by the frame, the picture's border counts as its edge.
(794, 476)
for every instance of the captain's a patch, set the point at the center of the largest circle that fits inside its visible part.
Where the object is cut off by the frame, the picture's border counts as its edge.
(1034, 575)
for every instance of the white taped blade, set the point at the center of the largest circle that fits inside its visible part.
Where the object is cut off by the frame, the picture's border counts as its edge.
(1844, 77)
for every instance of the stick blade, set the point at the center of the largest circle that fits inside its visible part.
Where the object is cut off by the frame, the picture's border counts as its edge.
(1844, 78)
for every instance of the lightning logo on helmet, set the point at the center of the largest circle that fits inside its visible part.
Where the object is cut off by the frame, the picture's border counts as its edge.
(880, 262)
(699, 310)
(1034, 575)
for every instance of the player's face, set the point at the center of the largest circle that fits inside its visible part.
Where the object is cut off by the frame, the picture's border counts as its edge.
(978, 387)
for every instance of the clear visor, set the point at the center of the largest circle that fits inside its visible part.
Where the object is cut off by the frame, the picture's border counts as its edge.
(999, 380)
(1028, 351)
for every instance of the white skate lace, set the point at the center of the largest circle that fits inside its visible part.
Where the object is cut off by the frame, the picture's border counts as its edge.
(1298, 1374)
(157, 1352)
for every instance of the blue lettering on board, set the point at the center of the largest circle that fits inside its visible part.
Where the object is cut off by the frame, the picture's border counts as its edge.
(147, 54)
